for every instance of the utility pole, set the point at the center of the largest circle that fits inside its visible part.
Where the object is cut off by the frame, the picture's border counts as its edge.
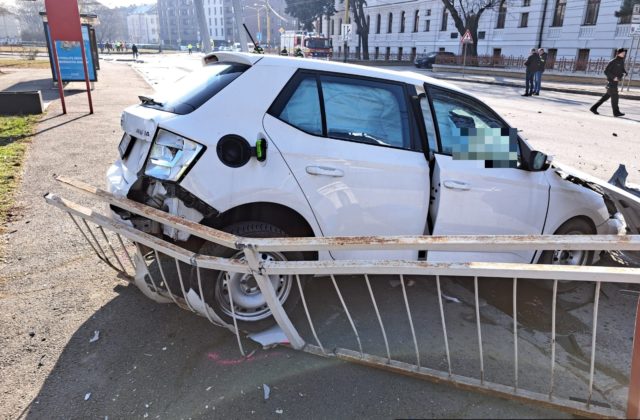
(346, 20)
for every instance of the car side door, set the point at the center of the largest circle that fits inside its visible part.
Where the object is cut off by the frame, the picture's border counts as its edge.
(479, 186)
(352, 145)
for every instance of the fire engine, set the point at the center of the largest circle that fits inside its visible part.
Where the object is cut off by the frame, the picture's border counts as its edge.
(311, 44)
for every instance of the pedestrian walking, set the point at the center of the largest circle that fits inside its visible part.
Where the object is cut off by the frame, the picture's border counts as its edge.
(537, 77)
(615, 72)
(134, 50)
(532, 64)
(189, 47)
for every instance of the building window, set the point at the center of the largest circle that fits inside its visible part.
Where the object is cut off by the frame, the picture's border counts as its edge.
(402, 20)
(428, 12)
(333, 27)
(427, 26)
(376, 52)
(497, 52)
(416, 20)
(387, 53)
(558, 14)
(390, 23)
(400, 54)
(591, 17)
(378, 19)
(481, 34)
(526, 3)
(583, 59)
(368, 23)
(340, 27)
(445, 18)
(454, 35)
(502, 15)
(524, 20)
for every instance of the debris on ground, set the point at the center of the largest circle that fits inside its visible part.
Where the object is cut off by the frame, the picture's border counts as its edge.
(270, 337)
(267, 391)
(96, 337)
(87, 396)
(451, 298)
(279, 411)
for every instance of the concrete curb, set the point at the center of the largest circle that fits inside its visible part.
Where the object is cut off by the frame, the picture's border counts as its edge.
(548, 88)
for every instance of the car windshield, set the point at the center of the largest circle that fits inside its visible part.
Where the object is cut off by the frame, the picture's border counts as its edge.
(193, 90)
(318, 43)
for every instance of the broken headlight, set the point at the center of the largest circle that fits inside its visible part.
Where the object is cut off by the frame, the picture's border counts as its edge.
(171, 156)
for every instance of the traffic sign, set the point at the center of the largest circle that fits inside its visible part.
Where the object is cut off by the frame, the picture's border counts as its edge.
(281, 30)
(346, 31)
(466, 38)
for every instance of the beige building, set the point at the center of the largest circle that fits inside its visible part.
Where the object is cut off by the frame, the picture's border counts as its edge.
(142, 24)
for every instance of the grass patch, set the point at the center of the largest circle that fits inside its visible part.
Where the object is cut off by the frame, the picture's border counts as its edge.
(14, 138)
(23, 63)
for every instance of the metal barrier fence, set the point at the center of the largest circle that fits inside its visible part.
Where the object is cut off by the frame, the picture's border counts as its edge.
(164, 266)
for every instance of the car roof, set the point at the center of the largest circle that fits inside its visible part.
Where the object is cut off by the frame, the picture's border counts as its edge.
(409, 77)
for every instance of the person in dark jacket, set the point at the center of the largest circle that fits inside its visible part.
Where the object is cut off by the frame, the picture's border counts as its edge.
(537, 77)
(134, 50)
(532, 64)
(615, 72)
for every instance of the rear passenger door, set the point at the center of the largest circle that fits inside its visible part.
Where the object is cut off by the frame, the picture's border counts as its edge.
(351, 144)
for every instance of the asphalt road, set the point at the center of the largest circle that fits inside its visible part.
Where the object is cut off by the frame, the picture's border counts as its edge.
(158, 361)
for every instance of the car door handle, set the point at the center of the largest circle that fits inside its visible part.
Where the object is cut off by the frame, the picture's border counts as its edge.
(457, 185)
(324, 170)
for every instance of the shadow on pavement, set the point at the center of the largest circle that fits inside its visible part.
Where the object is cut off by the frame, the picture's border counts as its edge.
(45, 86)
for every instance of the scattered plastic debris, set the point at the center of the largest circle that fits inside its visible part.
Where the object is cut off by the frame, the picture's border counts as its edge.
(279, 411)
(87, 396)
(96, 336)
(267, 391)
(451, 298)
(209, 388)
(164, 349)
(269, 337)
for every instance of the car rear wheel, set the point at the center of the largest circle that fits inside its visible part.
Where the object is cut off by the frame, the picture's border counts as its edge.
(249, 304)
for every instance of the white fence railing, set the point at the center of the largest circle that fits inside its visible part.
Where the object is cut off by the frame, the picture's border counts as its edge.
(405, 320)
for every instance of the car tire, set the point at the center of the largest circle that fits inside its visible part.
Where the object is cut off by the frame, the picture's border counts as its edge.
(577, 226)
(251, 311)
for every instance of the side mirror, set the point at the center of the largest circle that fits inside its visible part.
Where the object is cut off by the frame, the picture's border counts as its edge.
(538, 161)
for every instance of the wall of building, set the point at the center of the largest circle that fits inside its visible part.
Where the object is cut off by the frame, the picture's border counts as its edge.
(143, 28)
(600, 39)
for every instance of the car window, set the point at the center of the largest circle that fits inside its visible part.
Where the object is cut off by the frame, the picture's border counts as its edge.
(470, 130)
(366, 111)
(303, 108)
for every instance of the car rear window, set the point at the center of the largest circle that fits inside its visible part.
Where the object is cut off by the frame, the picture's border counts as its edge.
(190, 92)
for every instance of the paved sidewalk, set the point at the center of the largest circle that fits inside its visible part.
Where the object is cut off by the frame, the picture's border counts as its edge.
(567, 87)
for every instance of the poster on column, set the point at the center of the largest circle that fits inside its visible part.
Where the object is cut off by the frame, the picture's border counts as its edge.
(70, 57)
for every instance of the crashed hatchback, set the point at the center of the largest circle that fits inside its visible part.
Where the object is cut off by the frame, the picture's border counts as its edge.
(268, 146)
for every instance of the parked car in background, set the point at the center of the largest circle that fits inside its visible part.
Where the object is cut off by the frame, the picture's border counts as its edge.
(428, 60)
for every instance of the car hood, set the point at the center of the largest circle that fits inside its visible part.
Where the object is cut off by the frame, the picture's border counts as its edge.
(625, 199)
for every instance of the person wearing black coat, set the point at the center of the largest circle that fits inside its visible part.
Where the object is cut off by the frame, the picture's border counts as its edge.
(532, 64)
(537, 77)
(615, 72)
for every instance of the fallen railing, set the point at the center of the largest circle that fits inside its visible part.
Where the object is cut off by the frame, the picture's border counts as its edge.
(129, 251)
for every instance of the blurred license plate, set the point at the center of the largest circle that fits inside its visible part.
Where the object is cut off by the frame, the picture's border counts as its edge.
(126, 144)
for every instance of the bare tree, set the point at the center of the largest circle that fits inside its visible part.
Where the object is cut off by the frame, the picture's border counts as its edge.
(362, 26)
(29, 14)
(466, 14)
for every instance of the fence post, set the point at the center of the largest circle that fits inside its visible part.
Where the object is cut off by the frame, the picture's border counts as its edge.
(270, 297)
(633, 401)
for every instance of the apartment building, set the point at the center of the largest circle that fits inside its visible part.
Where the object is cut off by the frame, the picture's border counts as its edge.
(143, 25)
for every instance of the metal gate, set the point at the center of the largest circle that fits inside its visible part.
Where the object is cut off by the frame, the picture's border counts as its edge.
(375, 331)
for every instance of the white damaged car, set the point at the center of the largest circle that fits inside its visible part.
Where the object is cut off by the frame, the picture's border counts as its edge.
(270, 146)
